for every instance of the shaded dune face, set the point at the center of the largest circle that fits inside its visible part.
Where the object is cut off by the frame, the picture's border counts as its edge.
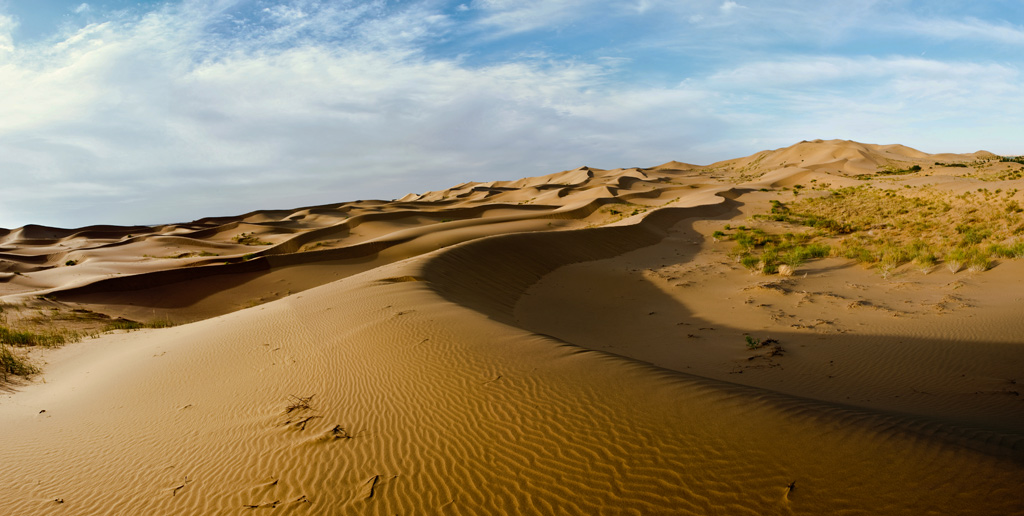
(566, 344)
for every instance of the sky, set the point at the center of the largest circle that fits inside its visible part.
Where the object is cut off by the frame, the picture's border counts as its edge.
(146, 112)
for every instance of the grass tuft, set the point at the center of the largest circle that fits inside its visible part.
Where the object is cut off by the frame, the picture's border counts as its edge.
(25, 338)
(14, 364)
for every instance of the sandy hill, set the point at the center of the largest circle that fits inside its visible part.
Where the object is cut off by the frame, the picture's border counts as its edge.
(826, 328)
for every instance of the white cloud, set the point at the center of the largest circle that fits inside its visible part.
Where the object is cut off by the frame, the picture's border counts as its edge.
(642, 6)
(148, 133)
(82, 8)
(206, 108)
(7, 26)
(729, 6)
(969, 28)
(507, 17)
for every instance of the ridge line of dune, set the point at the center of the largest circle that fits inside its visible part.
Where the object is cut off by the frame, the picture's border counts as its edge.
(542, 252)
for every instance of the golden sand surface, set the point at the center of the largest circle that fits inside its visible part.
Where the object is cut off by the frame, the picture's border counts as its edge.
(586, 342)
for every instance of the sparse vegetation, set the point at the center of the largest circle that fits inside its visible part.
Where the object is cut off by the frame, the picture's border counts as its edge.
(189, 254)
(249, 239)
(883, 229)
(893, 171)
(51, 327)
(754, 343)
(14, 364)
(625, 209)
(25, 338)
(129, 325)
(766, 253)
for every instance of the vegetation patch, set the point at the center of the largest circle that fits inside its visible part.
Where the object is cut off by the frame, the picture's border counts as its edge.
(129, 325)
(769, 253)
(249, 239)
(12, 363)
(25, 338)
(51, 327)
(885, 230)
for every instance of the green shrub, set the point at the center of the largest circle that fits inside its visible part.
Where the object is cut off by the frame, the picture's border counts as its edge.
(249, 239)
(752, 343)
(12, 364)
(749, 261)
(972, 235)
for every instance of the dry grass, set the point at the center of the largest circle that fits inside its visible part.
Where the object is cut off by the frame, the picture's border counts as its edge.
(886, 229)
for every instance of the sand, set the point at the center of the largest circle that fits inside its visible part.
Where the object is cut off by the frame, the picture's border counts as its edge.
(564, 344)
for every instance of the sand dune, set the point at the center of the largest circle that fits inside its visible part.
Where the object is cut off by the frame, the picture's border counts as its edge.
(562, 344)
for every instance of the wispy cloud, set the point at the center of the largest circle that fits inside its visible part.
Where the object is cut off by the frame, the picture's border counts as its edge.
(507, 17)
(217, 107)
(968, 28)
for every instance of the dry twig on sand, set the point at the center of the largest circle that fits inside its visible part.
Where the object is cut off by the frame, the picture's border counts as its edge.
(298, 403)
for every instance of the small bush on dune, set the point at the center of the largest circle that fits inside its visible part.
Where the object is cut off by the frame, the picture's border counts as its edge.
(855, 251)
(249, 239)
(955, 260)
(750, 261)
(979, 261)
(12, 364)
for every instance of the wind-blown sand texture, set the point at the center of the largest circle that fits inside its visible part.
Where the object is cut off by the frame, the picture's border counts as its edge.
(564, 344)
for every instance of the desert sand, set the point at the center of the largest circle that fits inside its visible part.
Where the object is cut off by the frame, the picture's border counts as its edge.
(585, 342)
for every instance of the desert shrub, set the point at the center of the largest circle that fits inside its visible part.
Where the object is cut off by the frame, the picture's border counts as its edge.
(854, 250)
(972, 235)
(13, 364)
(749, 261)
(893, 171)
(249, 239)
(955, 259)
(979, 262)
(752, 343)
(769, 260)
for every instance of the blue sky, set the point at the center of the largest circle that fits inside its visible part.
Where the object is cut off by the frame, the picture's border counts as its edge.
(130, 112)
